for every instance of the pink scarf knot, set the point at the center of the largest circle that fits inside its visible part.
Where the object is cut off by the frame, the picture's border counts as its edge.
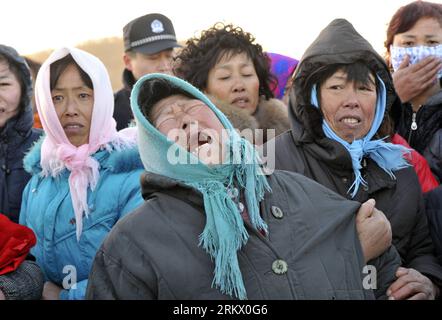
(84, 174)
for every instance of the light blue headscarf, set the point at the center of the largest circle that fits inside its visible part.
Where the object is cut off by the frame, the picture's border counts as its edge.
(388, 156)
(224, 233)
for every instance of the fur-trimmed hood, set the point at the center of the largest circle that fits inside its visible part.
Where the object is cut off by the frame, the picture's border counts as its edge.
(339, 42)
(117, 161)
(270, 114)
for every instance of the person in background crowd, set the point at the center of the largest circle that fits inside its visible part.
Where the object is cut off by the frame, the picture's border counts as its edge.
(340, 106)
(414, 50)
(433, 203)
(148, 43)
(227, 64)
(34, 66)
(16, 132)
(283, 68)
(20, 279)
(85, 174)
(217, 219)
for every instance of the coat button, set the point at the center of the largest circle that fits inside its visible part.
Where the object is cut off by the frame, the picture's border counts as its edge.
(279, 266)
(277, 212)
(345, 180)
(240, 207)
(4, 166)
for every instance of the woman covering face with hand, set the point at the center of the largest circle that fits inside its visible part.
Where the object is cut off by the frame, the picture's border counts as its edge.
(414, 49)
(85, 173)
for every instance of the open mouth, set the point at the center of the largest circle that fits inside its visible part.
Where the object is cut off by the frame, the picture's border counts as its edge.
(72, 125)
(197, 141)
(241, 102)
(2, 110)
(72, 128)
(351, 121)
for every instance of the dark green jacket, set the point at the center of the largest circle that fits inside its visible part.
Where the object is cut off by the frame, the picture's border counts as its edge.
(312, 250)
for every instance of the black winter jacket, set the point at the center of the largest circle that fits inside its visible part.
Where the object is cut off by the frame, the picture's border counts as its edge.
(16, 138)
(122, 111)
(434, 213)
(426, 135)
(433, 153)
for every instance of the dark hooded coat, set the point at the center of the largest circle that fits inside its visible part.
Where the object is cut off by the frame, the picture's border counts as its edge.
(306, 150)
(16, 138)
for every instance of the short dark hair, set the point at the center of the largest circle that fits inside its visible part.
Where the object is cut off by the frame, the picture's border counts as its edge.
(406, 17)
(201, 54)
(358, 71)
(154, 90)
(24, 78)
(59, 66)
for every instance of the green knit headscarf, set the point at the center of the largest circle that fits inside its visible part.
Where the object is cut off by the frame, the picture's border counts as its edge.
(224, 233)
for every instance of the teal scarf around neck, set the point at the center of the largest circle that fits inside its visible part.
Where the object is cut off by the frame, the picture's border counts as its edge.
(224, 233)
(388, 156)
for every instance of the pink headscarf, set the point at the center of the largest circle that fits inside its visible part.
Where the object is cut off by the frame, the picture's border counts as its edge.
(57, 153)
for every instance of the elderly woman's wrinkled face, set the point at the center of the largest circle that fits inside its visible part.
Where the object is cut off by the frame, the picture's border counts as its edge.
(10, 93)
(426, 32)
(234, 80)
(192, 124)
(348, 107)
(73, 102)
